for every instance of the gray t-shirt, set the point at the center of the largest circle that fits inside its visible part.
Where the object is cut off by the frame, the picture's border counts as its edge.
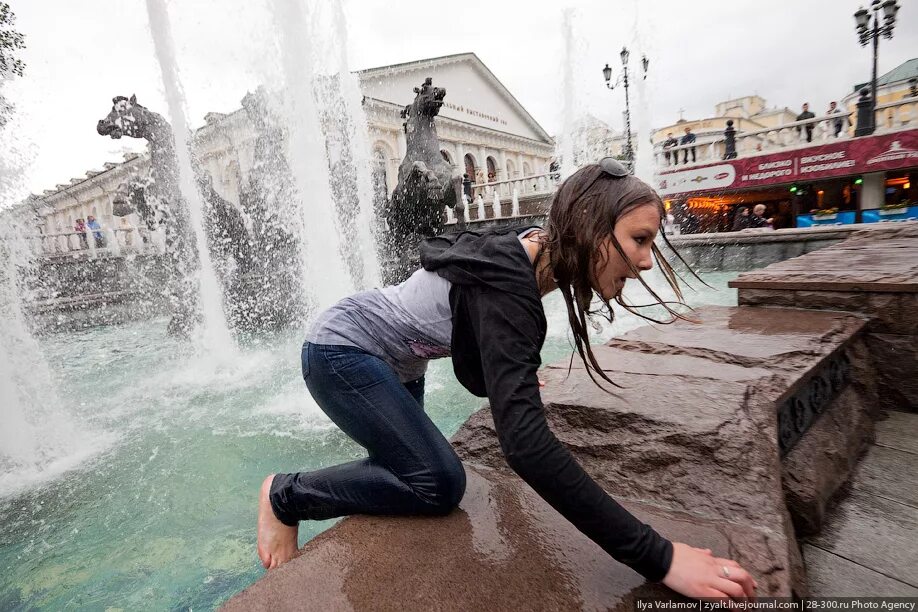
(405, 325)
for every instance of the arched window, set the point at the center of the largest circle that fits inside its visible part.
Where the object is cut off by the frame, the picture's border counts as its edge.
(470, 166)
(527, 169)
(492, 169)
(511, 169)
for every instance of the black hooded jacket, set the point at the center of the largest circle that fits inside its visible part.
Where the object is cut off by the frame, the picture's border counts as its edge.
(498, 330)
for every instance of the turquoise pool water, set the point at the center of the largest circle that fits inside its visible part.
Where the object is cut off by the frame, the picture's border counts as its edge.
(156, 508)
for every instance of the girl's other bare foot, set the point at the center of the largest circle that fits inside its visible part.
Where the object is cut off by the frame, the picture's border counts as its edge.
(276, 541)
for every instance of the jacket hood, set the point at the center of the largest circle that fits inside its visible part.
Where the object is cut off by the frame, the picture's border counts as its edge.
(493, 258)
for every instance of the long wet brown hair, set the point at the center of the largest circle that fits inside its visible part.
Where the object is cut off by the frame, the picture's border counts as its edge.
(583, 215)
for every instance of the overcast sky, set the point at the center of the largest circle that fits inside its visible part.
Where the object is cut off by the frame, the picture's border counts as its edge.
(81, 54)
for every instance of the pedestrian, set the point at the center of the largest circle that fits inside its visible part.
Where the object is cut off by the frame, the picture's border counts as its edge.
(806, 114)
(841, 122)
(92, 224)
(689, 138)
(478, 299)
(758, 220)
(741, 218)
(80, 228)
(467, 187)
(668, 144)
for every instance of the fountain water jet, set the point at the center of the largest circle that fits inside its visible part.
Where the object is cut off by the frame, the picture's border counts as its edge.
(213, 336)
(322, 259)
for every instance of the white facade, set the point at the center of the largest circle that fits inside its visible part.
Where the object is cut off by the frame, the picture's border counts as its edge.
(481, 126)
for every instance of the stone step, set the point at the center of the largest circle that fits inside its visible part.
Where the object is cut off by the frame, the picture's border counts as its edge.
(695, 427)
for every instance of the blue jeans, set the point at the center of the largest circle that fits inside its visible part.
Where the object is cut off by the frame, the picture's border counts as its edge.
(411, 467)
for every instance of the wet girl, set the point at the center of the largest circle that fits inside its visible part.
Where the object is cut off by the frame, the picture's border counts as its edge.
(477, 298)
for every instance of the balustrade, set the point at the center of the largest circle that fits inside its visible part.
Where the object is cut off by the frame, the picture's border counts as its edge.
(890, 117)
(110, 240)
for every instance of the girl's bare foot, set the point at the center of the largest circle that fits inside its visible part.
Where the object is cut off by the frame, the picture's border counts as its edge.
(276, 541)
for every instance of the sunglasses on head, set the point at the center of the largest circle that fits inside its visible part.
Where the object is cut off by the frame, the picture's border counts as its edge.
(613, 167)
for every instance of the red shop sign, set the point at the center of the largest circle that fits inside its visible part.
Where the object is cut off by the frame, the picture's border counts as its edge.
(841, 158)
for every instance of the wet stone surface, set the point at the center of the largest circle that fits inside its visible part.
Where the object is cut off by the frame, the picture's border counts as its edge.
(503, 549)
(690, 445)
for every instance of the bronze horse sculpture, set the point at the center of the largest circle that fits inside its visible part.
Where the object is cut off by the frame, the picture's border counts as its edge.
(427, 184)
(225, 226)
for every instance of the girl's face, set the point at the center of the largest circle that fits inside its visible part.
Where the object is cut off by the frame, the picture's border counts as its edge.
(635, 232)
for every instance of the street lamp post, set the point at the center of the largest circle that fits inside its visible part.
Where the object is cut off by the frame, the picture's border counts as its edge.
(607, 74)
(867, 34)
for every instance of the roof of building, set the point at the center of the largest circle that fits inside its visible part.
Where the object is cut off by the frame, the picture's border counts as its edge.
(461, 57)
(903, 72)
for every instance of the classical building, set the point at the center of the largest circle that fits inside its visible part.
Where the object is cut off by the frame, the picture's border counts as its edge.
(482, 128)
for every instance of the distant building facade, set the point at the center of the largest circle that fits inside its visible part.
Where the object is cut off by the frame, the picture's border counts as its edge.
(483, 130)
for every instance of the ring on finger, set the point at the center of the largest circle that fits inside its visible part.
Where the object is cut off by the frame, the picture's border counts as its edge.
(725, 571)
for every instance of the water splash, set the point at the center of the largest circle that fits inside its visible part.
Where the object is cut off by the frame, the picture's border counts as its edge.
(40, 438)
(566, 144)
(213, 335)
(322, 258)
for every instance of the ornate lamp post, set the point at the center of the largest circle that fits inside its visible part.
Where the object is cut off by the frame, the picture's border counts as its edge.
(866, 34)
(607, 74)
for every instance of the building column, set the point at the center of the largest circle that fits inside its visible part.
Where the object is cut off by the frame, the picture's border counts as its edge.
(483, 163)
(502, 173)
(402, 142)
(519, 164)
(873, 191)
(460, 157)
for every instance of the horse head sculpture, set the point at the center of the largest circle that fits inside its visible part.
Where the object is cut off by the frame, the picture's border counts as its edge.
(127, 118)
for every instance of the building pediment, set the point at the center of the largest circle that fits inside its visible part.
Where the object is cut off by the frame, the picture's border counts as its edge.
(473, 94)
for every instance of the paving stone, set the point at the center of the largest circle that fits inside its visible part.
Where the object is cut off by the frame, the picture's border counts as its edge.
(899, 430)
(889, 473)
(873, 532)
(833, 576)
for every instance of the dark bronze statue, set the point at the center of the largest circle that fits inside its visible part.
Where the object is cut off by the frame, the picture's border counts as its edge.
(163, 204)
(427, 184)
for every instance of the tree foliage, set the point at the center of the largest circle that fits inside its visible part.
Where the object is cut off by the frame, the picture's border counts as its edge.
(11, 42)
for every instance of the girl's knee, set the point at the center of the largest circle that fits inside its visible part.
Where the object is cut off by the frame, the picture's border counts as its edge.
(448, 487)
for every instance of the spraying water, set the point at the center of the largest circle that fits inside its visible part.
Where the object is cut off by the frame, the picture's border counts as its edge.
(322, 258)
(40, 437)
(213, 336)
(644, 165)
(569, 106)
(360, 145)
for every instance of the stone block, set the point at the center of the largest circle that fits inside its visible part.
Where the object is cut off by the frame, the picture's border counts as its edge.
(503, 549)
(830, 300)
(896, 362)
(820, 463)
(765, 254)
(711, 258)
(765, 297)
(737, 257)
(833, 576)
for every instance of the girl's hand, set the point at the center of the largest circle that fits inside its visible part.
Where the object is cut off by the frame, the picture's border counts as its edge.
(695, 572)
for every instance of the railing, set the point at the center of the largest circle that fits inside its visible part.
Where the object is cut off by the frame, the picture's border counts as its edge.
(537, 184)
(503, 197)
(890, 117)
(113, 241)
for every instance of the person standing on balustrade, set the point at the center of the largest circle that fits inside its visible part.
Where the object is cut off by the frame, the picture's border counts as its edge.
(478, 299)
(689, 138)
(668, 144)
(841, 122)
(92, 224)
(806, 114)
